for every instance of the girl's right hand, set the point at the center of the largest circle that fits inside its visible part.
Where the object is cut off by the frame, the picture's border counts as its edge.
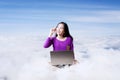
(52, 31)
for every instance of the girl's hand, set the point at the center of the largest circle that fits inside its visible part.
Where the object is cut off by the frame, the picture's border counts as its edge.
(52, 31)
(75, 62)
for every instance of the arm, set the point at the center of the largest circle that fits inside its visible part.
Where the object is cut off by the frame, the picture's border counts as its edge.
(72, 46)
(48, 42)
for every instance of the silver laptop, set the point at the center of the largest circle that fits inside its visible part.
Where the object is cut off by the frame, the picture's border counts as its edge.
(61, 57)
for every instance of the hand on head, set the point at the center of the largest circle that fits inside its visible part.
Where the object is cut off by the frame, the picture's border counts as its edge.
(52, 31)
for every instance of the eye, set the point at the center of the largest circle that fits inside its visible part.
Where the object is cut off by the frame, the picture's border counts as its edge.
(60, 28)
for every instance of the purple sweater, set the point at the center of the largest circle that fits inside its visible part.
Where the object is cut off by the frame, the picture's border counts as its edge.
(59, 45)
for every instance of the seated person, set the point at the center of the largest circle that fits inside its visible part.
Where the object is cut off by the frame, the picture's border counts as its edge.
(62, 40)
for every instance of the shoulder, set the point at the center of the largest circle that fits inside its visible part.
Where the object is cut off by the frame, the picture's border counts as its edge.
(69, 38)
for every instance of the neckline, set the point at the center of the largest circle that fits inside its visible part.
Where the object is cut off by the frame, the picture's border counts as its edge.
(61, 39)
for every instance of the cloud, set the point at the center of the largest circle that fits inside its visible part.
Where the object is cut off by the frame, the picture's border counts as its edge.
(96, 16)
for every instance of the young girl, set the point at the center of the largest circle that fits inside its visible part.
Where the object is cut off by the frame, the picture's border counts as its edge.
(62, 40)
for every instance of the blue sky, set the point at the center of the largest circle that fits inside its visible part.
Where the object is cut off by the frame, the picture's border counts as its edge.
(29, 16)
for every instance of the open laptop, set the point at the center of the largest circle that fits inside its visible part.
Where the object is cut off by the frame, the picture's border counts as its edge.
(62, 57)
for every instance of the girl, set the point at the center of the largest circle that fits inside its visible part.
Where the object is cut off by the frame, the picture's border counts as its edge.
(62, 40)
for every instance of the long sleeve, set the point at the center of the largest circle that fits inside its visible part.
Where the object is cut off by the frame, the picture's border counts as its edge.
(71, 44)
(48, 42)
(59, 45)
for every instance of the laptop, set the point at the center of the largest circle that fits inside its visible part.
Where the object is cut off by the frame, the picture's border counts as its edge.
(61, 57)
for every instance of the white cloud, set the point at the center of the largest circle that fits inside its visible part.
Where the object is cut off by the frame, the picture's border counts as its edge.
(97, 16)
(23, 58)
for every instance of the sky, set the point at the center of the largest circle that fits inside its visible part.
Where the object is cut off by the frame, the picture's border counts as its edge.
(34, 16)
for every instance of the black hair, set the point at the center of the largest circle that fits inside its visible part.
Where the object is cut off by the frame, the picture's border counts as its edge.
(66, 30)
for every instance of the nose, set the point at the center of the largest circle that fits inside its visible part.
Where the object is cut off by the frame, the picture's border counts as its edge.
(58, 29)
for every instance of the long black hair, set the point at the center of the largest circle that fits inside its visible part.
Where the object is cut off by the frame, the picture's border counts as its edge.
(66, 30)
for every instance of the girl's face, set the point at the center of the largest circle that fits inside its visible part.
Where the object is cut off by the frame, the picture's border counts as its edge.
(60, 29)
